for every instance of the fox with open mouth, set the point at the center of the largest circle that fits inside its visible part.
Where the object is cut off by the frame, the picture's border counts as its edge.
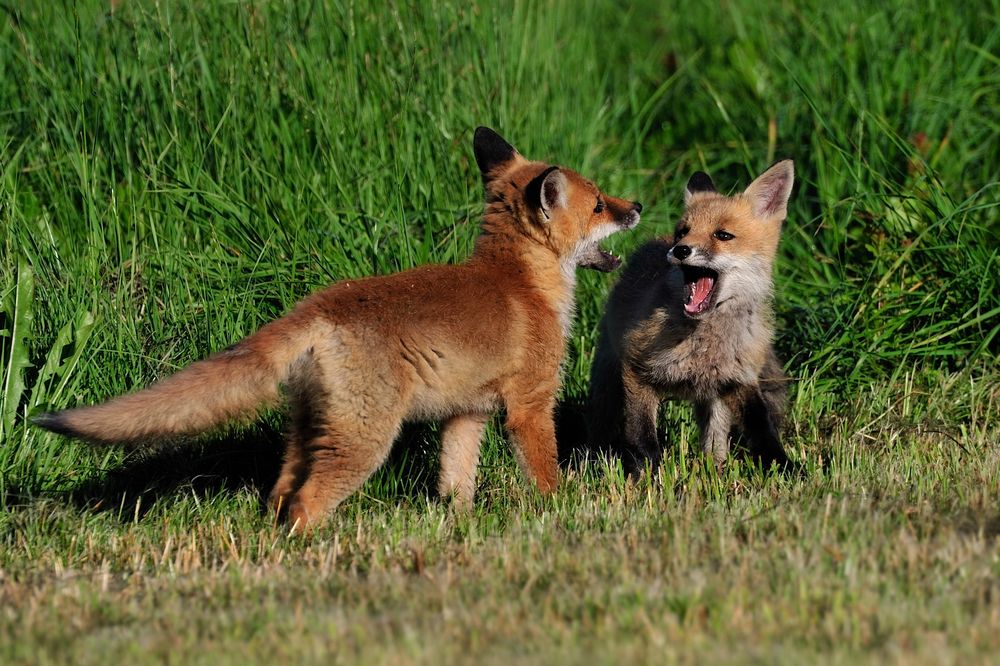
(451, 343)
(691, 318)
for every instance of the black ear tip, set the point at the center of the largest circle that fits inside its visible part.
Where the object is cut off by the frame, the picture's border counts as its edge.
(486, 137)
(700, 182)
(490, 148)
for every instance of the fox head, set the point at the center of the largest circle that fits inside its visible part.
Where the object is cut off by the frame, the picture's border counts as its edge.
(725, 245)
(554, 206)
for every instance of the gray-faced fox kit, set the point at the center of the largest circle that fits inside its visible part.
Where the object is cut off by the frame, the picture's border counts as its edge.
(691, 318)
(450, 343)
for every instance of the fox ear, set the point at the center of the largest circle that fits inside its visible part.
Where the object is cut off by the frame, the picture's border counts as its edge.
(699, 182)
(491, 150)
(769, 193)
(547, 191)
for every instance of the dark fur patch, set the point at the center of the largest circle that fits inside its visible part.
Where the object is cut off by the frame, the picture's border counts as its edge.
(700, 182)
(491, 150)
(307, 397)
(238, 349)
(760, 424)
(533, 191)
(54, 422)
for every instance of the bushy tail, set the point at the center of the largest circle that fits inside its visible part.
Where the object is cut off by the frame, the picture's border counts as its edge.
(232, 384)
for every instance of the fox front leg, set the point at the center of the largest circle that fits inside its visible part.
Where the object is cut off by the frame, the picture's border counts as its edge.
(642, 404)
(533, 434)
(715, 419)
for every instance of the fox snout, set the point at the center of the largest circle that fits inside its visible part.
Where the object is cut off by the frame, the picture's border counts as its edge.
(625, 213)
(680, 254)
(631, 218)
(624, 216)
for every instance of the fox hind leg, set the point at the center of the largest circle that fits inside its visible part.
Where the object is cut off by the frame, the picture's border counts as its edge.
(307, 397)
(342, 430)
(760, 423)
(773, 384)
(460, 442)
(338, 461)
(293, 469)
(761, 412)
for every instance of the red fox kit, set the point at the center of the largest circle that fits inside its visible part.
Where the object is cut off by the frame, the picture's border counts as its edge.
(691, 318)
(360, 357)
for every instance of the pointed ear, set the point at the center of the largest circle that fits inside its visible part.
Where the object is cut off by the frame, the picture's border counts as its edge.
(699, 182)
(547, 191)
(491, 150)
(769, 193)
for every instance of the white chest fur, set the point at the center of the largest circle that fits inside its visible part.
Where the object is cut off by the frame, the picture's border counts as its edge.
(727, 347)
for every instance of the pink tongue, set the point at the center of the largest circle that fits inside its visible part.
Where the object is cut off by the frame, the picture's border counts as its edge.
(700, 291)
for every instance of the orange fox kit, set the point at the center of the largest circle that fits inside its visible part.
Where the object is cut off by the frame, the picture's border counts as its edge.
(691, 318)
(357, 359)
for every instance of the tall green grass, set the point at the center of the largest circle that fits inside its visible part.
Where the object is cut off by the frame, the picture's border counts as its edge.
(175, 174)
(187, 173)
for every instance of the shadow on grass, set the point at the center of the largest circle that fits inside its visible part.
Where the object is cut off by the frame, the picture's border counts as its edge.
(575, 450)
(251, 460)
(235, 462)
(571, 436)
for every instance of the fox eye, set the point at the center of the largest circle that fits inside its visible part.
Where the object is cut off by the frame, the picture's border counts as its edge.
(681, 233)
(599, 208)
(723, 235)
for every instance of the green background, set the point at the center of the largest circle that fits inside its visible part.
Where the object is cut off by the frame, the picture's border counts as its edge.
(175, 174)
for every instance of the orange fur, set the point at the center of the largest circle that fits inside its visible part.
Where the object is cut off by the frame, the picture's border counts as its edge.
(360, 357)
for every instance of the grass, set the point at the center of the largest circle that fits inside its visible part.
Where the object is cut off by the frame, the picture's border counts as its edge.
(174, 174)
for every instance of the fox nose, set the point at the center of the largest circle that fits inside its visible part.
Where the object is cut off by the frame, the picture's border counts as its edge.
(636, 206)
(681, 252)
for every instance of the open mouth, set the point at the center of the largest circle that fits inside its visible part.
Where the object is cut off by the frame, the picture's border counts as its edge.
(599, 260)
(602, 260)
(699, 289)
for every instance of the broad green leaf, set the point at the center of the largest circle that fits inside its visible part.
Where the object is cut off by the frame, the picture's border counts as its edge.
(17, 358)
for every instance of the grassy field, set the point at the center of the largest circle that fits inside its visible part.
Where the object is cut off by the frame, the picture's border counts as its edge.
(175, 174)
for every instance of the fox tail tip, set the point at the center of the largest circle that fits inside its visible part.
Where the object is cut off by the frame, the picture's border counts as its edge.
(53, 421)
